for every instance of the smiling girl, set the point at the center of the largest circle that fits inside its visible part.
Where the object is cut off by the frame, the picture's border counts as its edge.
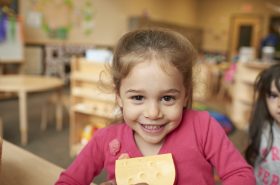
(152, 75)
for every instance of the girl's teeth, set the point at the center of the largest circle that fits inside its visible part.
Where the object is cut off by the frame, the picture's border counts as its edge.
(151, 127)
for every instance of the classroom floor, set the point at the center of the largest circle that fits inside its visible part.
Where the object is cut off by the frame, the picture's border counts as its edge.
(53, 145)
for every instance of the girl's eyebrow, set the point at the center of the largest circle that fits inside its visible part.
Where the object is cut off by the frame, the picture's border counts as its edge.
(133, 91)
(175, 91)
(274, 92)
(172, 91)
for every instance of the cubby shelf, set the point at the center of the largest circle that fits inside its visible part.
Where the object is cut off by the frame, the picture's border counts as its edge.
(243, 92)
(92, 100)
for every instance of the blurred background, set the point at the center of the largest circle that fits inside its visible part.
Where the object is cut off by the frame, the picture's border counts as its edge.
(70, 40)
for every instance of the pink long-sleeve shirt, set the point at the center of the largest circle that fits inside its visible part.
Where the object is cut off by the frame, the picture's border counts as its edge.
(198, 145)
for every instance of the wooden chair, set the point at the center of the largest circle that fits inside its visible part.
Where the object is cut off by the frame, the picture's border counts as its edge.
(51, 102)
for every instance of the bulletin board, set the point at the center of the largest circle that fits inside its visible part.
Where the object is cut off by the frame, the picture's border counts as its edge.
(12, 47)
(76, 21)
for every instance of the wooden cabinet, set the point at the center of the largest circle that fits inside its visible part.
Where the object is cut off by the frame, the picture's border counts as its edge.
(92, 100)
(243, 92)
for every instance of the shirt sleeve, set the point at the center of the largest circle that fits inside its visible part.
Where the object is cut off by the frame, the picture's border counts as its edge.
(220, 151)
(87, 165)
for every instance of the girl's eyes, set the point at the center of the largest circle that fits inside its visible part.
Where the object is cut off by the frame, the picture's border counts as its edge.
(166, 99)
(272, 95)
(137, 98)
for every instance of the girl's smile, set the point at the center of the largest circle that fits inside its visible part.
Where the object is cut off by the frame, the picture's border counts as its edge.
(153, 129)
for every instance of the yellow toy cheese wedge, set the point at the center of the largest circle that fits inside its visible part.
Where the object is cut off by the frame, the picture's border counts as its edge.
(153, 170)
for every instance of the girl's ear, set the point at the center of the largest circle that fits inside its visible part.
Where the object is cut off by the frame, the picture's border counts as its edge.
(186, 99)
(119, 101)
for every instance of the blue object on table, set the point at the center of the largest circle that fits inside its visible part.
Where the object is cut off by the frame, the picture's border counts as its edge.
(223, 120)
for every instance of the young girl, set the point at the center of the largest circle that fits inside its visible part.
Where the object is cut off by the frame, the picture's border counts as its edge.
(152, 75)
(263, 151)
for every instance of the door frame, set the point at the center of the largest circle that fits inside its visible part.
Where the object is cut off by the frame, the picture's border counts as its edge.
(256, 21)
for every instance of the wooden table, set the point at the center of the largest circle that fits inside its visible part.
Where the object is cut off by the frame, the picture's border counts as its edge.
(24, 84)
(20, 167)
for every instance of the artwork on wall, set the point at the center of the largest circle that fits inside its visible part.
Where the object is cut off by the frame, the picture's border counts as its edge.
(9, 5)
(11, 37)
(8, 16)
(11, 46)
(58, 17)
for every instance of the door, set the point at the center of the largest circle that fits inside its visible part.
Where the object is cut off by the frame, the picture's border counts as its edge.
(245, 31)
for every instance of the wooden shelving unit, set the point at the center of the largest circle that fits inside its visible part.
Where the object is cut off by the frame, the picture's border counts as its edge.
(243, 92)
(92, 100)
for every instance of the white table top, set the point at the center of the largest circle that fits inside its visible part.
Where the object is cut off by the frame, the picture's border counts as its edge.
(28, 83)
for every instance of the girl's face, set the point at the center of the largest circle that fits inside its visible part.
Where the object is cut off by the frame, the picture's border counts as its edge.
(152, 100)
(273, 103)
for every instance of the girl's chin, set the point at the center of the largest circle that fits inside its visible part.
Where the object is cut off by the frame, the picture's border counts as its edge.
(155, 140)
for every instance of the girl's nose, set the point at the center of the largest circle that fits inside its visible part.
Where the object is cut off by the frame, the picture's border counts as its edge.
(153, 111)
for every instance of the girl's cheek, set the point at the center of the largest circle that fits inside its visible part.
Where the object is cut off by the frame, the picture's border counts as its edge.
(174, 113)
(131, 111)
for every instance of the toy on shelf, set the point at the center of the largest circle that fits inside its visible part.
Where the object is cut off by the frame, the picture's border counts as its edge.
(88, 132)
(152, 170)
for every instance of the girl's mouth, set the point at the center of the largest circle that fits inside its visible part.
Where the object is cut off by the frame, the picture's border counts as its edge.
(152, 128)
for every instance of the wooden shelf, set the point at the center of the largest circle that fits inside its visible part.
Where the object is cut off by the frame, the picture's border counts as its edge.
(243, 92)
(93, 110)
(92, 94)
(79, 76)
(92, 100)
(257, 65)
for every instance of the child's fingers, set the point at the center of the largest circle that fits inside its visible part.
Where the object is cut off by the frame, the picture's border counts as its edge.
(111, 182)
(124, 156)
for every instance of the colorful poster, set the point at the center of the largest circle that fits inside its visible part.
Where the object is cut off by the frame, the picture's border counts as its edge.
(58, 17)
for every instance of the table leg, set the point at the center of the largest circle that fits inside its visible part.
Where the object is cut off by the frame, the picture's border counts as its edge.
(44, 119)
(1, 130)
(59, 110)
(23, 117)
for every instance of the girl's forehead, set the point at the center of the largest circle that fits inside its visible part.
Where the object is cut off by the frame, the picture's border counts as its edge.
(275, 84)
(159, 64)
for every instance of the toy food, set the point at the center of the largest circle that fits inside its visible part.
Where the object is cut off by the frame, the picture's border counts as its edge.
(152, 170)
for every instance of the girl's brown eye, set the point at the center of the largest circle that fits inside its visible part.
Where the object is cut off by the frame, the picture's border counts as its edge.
(138, 98)
(272, 95)
(168, 98)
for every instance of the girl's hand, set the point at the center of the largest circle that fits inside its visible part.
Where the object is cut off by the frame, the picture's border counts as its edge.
(109, 183)
(114, 183)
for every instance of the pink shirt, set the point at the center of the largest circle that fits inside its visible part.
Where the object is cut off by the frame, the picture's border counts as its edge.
(197, 145)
